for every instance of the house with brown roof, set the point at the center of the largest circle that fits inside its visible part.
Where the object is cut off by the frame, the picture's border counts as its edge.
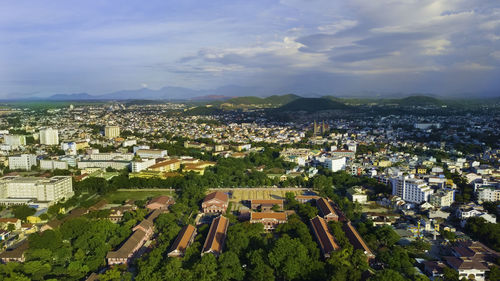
(125, 253)
(215, 202)
(434, 269)
(183, 240)
(468, 268)
(98, 206)
(270, 220)
(323, 236)
(15, 254)
(5, 222)
(266, 205)
(356, 241)
(326, 210)
(160, 202)
(216, 236)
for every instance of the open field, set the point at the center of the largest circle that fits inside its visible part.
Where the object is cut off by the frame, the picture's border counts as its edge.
(238, 195)
(136, 194)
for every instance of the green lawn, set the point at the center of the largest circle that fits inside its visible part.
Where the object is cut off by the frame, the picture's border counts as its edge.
(135, 195)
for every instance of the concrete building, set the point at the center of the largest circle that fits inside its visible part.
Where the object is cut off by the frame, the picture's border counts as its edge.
(22, 162)
(143, 164)
(15, 140)
(335, 164)
(53, 165)
(152, 153)
(48, 190)
(357, 194)
(49, 136)
(442, 198)
(111, 132)
(411, 189)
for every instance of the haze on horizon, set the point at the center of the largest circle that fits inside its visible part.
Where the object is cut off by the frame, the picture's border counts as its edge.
(445, 47)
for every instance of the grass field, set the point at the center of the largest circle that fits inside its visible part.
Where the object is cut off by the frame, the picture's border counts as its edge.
(249, 194)
(135, 194)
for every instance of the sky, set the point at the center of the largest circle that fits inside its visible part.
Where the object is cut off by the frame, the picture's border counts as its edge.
(308, 47)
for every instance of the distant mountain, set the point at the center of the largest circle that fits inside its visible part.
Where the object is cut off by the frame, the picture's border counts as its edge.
(419, 101)
(78, 96)
(210, 98)
(202, 110)
(312, 104)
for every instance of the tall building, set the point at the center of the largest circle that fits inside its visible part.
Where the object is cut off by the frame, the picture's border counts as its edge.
(335, 164)
(442, 198)
(49, 136)
(22, 162)
(111, 131)
(411, 189)
(319, 129)
(48, 190)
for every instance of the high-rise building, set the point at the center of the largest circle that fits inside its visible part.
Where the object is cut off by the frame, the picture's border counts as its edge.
(49, 136)
(411, 189)
(111, 131)
(22, 162)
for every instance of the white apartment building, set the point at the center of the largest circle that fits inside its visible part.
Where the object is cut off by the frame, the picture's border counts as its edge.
(49, 136)
(111, 156)
(48, 190)
(115, 164)
(111, 131)
(442, 198)
(15, 140)
(335, 164)
(143, 164)
(53, 164)
(488, 194)
(152, 153)
(411, 189)
(22, 162)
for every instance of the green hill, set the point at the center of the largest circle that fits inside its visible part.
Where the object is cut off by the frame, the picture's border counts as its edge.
(419, 101)
(312, 104)
(202, 110)
(271, 101)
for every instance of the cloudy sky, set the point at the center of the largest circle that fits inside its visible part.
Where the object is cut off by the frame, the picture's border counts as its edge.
(339, 47)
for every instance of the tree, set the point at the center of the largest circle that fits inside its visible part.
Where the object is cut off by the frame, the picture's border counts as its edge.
(230, 267)
(450, 274)
(387, 274)
(23, 211)
(206, 269)
(288, 257)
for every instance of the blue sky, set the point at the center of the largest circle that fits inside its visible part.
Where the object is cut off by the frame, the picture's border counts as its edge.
(338, 47)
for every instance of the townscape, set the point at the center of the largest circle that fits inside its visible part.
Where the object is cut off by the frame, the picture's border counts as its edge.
(281, 188)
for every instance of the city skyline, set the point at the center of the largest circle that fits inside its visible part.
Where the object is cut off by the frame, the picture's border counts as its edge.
(447, 48)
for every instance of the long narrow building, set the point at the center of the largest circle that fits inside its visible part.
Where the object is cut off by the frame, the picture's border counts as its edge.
(326, 210)
(216, 236)
(323, 236)
(183, 240)
(356, 240)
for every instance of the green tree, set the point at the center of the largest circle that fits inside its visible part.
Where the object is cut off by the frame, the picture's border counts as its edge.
(387, 274)
(288, 257)
(230, 267)
(23, 211)
(206, 269)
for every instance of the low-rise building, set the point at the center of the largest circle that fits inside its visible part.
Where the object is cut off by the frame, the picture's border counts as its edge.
(183, 240)
(326, 210)
(216, 236)
(323, 236)
(215, 202)
(22, 162)
(356, 240)
(266, 204)
(442, 198)
(160, 203)
(269, 219)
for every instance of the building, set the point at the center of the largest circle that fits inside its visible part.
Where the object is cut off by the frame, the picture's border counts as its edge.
(269, 219)
(49, 190)
(357, 194)
(183, 240)
(343, 153)
(306, 198)
(326, 210)
(442, 198)
(143, 164)
(356, 241)
(16, 254)
(53, 165)
(160, 203)
(216, 236)
(111, 132)
(115, 164)
(152, 153)
(488, 194)
(49, 136)
(215, 202)
(166, 166)
(22, 162)
(323, 236)
(15, 141)
(266, 204)
(335, 164)
(411, 189)
(468, 268)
